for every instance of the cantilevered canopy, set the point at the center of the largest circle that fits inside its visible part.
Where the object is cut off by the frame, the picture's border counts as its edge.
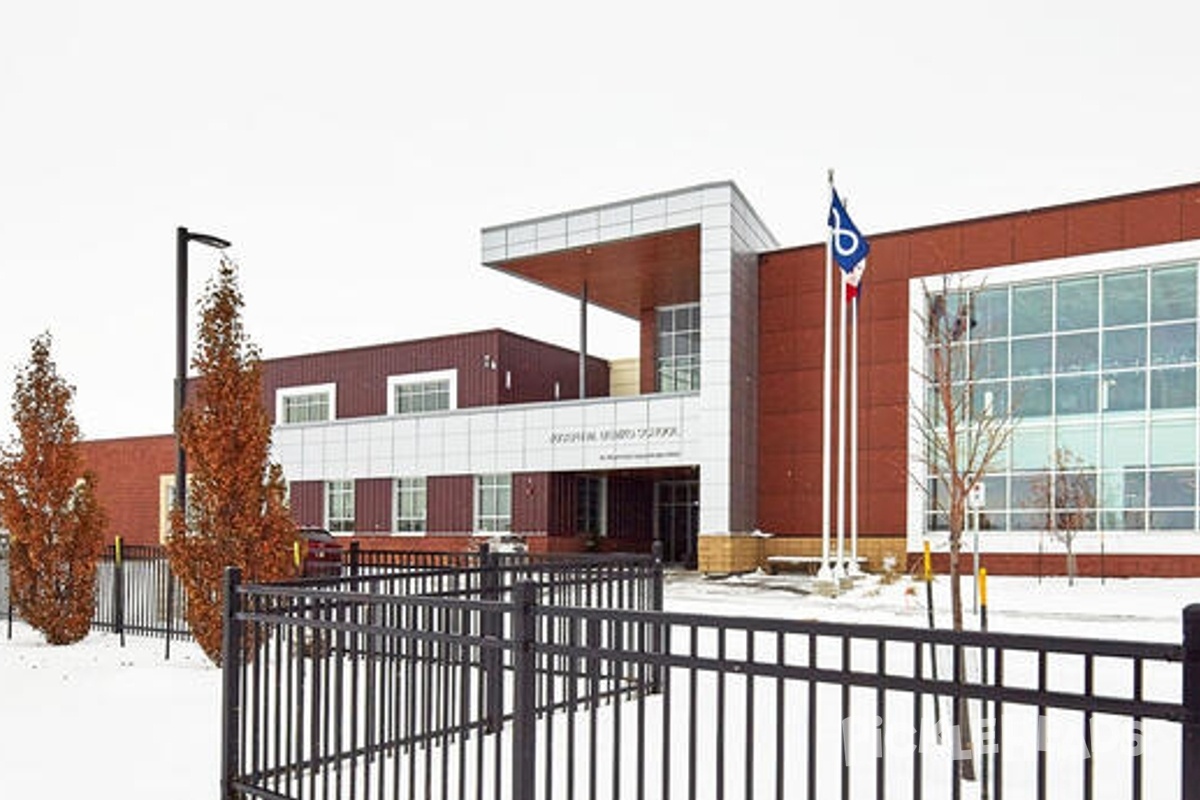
(626, 276)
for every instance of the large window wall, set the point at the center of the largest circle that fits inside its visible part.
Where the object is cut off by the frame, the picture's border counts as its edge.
(1102, 366)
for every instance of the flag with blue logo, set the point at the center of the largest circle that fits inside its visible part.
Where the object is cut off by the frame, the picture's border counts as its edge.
(849, 246)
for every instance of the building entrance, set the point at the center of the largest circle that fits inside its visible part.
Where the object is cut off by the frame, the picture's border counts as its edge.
(677, 520)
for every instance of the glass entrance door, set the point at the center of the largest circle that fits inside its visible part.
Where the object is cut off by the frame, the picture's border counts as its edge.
(677, 520)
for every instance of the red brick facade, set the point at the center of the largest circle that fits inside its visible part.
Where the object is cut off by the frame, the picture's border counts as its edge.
(128, 483)
(791, 325)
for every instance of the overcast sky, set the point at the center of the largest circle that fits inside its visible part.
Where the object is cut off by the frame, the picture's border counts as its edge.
(353, 150)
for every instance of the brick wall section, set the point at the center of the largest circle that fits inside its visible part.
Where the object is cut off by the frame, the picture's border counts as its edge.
(128, 472)
(791, 341)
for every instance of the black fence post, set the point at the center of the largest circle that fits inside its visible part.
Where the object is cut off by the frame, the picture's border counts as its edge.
(1191, 702)
(355, 557)
(524, 746)
(170, 612)
(657, 636)
(492, 629)
(118, 590)
(231, 651)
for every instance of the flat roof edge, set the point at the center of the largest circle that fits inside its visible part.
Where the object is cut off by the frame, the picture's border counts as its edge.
(617, 203)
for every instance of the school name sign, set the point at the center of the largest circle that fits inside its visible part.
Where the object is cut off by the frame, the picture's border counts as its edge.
(654, 433)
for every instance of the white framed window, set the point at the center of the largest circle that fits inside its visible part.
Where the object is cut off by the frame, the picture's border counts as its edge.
(339, 506)
(410, 508)
(420, 392)
(493, 503)
(299, 404)
(677, 356)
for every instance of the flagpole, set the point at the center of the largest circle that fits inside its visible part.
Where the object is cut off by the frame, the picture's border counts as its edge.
(824, 572)
(839, 567)
(854, 568)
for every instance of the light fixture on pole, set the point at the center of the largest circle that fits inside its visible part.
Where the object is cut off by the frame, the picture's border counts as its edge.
(182, 237)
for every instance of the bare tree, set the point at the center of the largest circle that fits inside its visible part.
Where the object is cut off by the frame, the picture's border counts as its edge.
(1067, 496)
(961, 435)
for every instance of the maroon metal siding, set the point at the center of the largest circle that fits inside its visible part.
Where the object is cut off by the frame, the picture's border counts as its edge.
(530, 502)
(373, 505)
(561, 518)
(307, 500)
(449, 503)
(528, 370)
(494, 367)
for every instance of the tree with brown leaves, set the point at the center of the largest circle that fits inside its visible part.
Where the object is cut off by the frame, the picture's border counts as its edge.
(48, 503)
(236, 514)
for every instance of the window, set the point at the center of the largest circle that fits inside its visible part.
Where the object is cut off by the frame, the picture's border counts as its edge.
(339, 506)
(421, 392)
(493, 503)
(678, 356)
(410, 505)
(1104, 365)
(299, 404)
(589, 497)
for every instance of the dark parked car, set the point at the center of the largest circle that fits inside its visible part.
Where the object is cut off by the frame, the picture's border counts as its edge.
(321, 553)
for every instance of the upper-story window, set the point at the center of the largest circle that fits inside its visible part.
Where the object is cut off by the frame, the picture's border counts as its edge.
(420, 392)
(678, 358)
(296, 404)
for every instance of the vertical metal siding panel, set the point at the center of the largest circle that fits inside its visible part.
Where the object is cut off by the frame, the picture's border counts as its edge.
(308, 503)
(449, 502)
(361, 374)
(536, 366)
(531, 502)
(561, 514)
(373, 505)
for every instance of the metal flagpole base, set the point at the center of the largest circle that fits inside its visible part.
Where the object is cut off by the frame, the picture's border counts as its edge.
(824, 573)
(854, 570)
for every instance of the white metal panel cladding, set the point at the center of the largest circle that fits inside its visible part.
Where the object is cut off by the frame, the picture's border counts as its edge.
(599, 434)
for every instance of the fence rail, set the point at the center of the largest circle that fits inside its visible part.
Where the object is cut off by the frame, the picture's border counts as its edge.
(136, 592)
(508, 689)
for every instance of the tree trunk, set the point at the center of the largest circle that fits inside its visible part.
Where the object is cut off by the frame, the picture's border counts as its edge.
(1070, 561)
(966, 747)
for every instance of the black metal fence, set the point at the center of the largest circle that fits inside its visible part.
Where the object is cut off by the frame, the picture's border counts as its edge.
(514, 687)
(137, 593)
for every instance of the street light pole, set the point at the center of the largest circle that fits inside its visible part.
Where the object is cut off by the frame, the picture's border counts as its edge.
(182, 237)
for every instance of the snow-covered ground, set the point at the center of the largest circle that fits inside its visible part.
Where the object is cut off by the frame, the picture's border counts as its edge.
(95, 720)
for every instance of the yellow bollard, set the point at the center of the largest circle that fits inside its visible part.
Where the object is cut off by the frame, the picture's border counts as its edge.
(928, 564)
(117, 549)
(296, 554)
(983, 587)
